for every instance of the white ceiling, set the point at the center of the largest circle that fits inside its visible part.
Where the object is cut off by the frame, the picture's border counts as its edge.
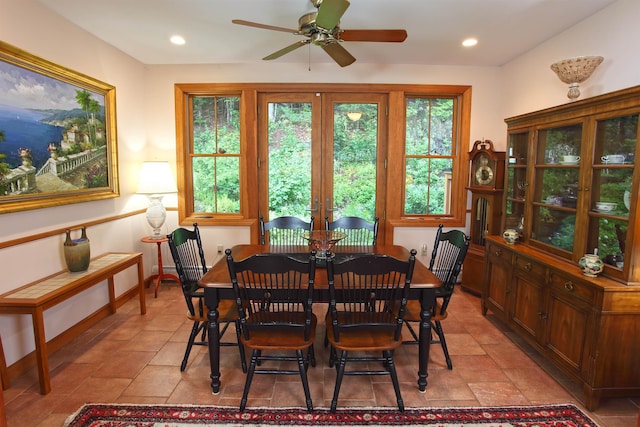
(505, 28)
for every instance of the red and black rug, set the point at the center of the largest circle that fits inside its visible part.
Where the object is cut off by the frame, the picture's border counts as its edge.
(103, 415)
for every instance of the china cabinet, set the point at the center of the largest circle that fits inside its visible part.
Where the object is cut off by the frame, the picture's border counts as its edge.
(571, 183)
(586, 326)
(571, 189)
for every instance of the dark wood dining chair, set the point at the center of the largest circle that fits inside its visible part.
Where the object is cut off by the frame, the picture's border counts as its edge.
(188, 257)
(368, 295)
(284, 230)
(359, 231)
(449, 251)
(274, 298)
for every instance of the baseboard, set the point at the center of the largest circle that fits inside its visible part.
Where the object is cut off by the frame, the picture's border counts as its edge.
(29, 361)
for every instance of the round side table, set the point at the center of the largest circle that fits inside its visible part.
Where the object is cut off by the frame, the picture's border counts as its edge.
(161, 274)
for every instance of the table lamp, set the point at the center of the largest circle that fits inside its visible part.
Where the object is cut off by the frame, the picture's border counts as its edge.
(156, 180)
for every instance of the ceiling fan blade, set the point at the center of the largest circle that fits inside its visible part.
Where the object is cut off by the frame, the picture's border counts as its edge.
(339, 54)
(330, 12)
(286, 50)
(396, 36)
(264, 26)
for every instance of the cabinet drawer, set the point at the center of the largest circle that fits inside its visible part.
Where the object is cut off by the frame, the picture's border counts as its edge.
(530, 268)
(570, 286)
(496, 253)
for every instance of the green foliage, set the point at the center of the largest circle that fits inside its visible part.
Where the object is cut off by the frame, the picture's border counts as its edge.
(289, 160)
(563, 236)
(429, 149)
(216, 136)
(216, 148)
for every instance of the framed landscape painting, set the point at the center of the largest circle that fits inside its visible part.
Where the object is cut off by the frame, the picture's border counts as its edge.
(57, 134)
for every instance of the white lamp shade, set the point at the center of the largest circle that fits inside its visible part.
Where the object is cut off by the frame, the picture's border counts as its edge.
(156, 178)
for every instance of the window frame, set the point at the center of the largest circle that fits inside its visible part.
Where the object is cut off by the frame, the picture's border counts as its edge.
(395, 156)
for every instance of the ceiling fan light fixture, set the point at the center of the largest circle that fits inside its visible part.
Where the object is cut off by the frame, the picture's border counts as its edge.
(354, 116)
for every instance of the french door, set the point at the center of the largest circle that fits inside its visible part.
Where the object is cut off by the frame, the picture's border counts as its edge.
(322, 155)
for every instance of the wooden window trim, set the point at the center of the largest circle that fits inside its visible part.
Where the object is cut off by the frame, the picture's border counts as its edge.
(395, 175)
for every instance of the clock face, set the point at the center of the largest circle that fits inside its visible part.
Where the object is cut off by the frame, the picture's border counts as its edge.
(484, 175)
(483, 170)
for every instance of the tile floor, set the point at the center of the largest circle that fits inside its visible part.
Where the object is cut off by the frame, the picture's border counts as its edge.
(130, 358)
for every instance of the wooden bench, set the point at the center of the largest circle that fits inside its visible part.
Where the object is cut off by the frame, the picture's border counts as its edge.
(45, 293)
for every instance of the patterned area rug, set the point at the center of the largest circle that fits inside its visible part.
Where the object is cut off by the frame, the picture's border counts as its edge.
(103, 415)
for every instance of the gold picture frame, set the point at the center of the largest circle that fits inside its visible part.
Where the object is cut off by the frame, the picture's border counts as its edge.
(57, 134)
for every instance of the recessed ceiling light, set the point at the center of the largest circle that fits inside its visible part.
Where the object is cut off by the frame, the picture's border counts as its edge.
(470, 42)
(179, 40)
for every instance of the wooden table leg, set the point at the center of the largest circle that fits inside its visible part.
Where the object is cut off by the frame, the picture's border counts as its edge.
(4, 373)
(112, 294)
(141, 292)
(3, 412)
(41, 350)
(427, 300)
(213, 335)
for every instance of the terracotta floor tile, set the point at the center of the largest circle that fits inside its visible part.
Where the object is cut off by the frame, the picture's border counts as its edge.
(154, 381)
(461, 343)
(478, 368)
(66, 378)
(504, 393)
(147, 341)
(508, 355)
(447, 385)
(124, 364)
(129, 358)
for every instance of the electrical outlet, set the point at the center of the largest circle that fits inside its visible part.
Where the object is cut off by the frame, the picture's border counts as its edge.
(219, 248)
(424, 250)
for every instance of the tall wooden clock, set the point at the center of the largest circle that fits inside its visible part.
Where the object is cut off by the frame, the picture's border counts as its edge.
(486, 182)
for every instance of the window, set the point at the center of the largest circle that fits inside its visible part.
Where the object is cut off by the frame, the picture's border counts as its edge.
(420, 165)
(215, 154)
(429, 155)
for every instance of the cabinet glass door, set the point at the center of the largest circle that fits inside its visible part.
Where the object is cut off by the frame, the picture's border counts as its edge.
(516, 182)
(556, 191)
(611, 188)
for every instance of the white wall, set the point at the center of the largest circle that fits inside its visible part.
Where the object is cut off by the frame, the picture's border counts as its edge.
(27, 25)
(146, 130)
(529, 84)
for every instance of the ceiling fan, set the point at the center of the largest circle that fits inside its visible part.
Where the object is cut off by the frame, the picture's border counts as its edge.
(322, 28)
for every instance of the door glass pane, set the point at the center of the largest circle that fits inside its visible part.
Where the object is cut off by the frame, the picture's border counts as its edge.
(557, 186)
(355, 137)
(289, 141)
(560, 145)
(611, 235)
(616, 140)
(516, 185)
(553, 226)
(613, 169)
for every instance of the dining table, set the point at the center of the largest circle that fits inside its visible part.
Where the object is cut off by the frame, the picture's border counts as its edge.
(216, 284)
